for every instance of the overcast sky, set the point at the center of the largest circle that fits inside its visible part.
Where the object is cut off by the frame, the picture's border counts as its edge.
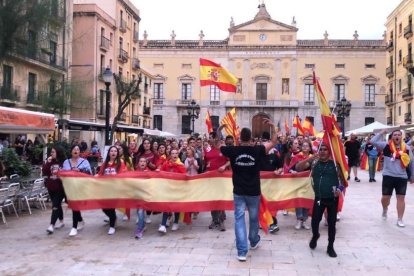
(340, 18)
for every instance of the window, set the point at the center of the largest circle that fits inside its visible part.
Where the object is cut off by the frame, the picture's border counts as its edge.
(399, 85)
(101, 102)
(102, 64)
(369, 94)
(158, 90)
(214, 94)
(399, 110)
(215, 121)
(120, 71)
(261, 91)
(399, 56)
(339, 92)
(369, 120)
(158, 122)
(111, 37)
(309, 94)
(53, 49)
(310, 66)
(132, 110)
(400, 29)
(110, 64)
(103, 32)
(186, 124)
(31, 88)
(7, 76)
(185, 92)
(121, 43)
(340, 66)
(52, 87)
(409, 108)
(239, 86)
(370, 66)
(134, 52)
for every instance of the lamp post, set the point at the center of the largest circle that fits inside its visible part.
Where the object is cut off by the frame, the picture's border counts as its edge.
(343, 108)
(108, 77)
(193, 110)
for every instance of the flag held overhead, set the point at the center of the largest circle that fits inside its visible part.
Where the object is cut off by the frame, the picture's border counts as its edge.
(212, 73)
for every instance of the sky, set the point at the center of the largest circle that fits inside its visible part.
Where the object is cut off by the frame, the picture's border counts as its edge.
(340, 18)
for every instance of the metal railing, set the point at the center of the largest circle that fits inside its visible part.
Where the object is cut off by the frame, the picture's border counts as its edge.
(122, 25)
(258, 103)
(105, 43)
(408, 31)
(158, 102)
(136, 36)
(123, 55)
(134, 119)
(136, 64)
(10, 93)
(35, 53)
(146, 110)
(407, 117)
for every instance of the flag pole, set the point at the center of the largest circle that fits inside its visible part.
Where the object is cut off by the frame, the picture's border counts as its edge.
(199, 91)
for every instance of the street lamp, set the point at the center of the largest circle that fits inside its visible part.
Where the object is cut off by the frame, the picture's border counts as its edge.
(193, 110)
(343, 108)
(107, 77)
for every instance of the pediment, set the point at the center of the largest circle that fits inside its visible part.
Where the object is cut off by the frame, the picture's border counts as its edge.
(262, 25)
(370, 78)
(340, 78)
(186, 77)
(160, 77)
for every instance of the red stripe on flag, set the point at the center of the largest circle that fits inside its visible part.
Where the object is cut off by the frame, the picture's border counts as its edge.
(206, 62)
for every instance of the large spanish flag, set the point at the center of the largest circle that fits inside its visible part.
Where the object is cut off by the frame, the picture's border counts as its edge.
(173, 192)
(212, 73)
(332, 130)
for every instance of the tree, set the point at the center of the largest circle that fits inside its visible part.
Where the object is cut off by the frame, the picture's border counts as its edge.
(17, 17)
(126, 91)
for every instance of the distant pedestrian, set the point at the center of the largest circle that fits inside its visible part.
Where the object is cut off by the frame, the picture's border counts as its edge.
(352, 150)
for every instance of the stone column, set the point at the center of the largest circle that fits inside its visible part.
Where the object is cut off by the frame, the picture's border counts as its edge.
(246, 79)
(277, 79)
(293, 78)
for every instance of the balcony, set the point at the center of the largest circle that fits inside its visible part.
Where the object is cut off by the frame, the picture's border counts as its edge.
(136, 64)
(408, 62)
(389, 72)
(215, 103)
(10, 94)
(57, 10)
(183, 102)
(407, 94)
(100, 75)
(123, 56)
(407, 118)
(389, 121)
(41, 54)
(122, 26)
(262, 103)
(408, 31)
(105, 44)
(36, 97)
(308, 103)
(136, 36)
(146, 110)
(369, 104)
(390, 46)
(135, 119)
(388, 100)
(158, 102)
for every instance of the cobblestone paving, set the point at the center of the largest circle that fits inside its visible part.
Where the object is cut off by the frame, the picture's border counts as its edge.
(366, 245)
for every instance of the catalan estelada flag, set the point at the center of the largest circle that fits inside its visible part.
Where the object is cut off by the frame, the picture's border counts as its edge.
(298, 126)
(308, 127)
(209, 124)
(332, 131)
(212, 73)
(230, 122)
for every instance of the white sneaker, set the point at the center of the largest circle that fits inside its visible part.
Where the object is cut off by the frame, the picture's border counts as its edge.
(338, 217)
(50, 229)
(175, 227)
(285, 212)
(162, 229)
(73, 232)
(242, 258)
(384, 213)
(400, 223)
(304, 225)
(111, 231)
(298, 225)
(125, 218)
(60, 224)
(81, 225)
(148, 220)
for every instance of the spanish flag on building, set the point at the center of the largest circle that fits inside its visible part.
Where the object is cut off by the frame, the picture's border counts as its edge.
(212, 73)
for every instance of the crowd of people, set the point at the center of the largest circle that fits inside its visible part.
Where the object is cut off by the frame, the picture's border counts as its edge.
(282, 154)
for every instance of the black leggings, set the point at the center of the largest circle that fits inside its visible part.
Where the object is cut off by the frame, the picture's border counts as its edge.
(319, 207)
(111, 215)
(57, 212)
(76, 217)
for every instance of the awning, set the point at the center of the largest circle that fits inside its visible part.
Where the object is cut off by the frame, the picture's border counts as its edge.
(167, 134)
(13, 120)
(365, 130)
(129, 129)
(81, 125)
(152, 132)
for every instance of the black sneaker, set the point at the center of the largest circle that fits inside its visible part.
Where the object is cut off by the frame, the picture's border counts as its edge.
(314, 241)
(370, 180)
(213, 225)
(349, 178)
(357, 179)
(273, 228)
(373, 180)
(253, 247)
(221, 227)
(331, 252)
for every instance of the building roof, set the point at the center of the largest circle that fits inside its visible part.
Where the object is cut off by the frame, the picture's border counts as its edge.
(308, 43)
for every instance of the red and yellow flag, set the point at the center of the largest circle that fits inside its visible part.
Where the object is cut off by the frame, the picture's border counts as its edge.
(308, 127)
(265, 217)
(296, 123)
(332, 131)
(209, 124)
(212, 73)
(230, 122)
(287, 129)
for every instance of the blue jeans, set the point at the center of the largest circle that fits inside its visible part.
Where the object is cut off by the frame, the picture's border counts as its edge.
(141, 219)
(372, 164)
(302, 213)
(240, 203)
(165, 217)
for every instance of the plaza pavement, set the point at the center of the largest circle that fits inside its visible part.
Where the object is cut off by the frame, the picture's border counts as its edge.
(366, 245)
